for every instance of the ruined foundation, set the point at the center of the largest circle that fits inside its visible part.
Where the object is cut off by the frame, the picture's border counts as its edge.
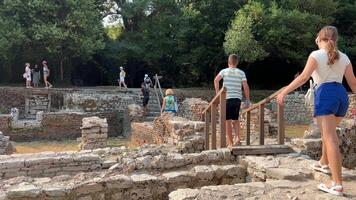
(94, 133)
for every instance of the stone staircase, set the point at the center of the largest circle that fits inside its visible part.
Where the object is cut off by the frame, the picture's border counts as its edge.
(153, 109)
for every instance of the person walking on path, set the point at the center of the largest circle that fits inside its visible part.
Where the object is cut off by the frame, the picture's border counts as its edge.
(169, 104)
(234, 79)
(122, 78)
(145, 88)
(46, 73)
(27, 75)
(36, 74)
(327, 66)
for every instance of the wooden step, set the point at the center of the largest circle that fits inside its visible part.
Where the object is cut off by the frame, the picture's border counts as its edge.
(261, 149)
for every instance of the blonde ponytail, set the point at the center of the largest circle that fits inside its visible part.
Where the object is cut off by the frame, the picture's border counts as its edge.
(333, 52)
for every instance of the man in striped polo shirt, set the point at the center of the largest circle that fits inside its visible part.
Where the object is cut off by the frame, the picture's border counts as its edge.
(234, 80)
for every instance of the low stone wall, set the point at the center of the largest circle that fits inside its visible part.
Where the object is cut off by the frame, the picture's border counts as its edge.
(143, 133)
(89, 101)
(161, 161)
(311, 144)
(37, 102)
(187, 135)
(94, 133)
(62, 125)
(194, 170)
(5, 121)
(295, 110)
(192, 108)
(270, 124)
(48, 164)
(5, 144)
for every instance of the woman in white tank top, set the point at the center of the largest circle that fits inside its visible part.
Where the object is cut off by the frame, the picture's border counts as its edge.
(327, 66)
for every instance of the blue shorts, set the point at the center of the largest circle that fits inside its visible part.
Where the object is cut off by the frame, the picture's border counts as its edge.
(331, 99)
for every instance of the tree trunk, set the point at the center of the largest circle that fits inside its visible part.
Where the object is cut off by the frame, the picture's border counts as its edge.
(61, 68)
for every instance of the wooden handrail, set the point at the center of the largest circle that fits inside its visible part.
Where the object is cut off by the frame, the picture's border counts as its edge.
(215, 99)
(261, 106)
(160, 95)
(210, 115)
(264, 101)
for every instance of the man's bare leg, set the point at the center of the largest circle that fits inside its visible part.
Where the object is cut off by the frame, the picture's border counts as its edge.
(229, 133)
(236, 124)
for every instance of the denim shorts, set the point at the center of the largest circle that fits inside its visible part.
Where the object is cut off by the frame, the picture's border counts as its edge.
(331, 99)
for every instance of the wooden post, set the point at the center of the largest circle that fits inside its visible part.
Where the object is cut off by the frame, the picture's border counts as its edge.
(206, 130)
(262, 123)
(213, 125)
(223, 119)
(248, 127)
(281, 128)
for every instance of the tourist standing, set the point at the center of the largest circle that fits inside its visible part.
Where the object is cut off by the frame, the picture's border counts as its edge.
(27, 75)
(170, 103)
(327, 66)
(145, 88)
(234, 79)
(36, 74)
(122, 78)
(46, 73)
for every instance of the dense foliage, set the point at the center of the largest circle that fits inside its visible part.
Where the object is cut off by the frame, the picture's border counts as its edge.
(186, 41)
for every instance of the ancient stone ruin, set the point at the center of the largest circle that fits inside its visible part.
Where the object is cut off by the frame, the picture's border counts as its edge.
(5, 145)
(94, 133)
(174, 166)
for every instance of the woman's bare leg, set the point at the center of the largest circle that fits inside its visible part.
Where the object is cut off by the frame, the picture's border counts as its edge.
(331, 140)
(324, 157)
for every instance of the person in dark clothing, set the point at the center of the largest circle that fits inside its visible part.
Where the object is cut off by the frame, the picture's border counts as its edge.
(146, 95)
(36, 75)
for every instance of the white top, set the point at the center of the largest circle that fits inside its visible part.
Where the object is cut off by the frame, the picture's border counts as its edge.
(233, 78)
(28, 71)
(323, 69)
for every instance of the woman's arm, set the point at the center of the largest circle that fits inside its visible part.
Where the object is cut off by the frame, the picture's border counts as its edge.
(350, 77)
(310, 66)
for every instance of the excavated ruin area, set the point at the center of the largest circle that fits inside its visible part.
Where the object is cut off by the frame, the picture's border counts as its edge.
(160, 172)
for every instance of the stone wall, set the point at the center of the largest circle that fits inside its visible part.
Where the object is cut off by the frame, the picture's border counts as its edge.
(36, 103)
(48, 164)
(62, 125)
(192, 108)
(144, 133)
(311, 143)
(270, 124)
(94, 133)
(5, 145)
(352, 101)
(88, 101)
(5, 121)
(185, 134)
(195, 170)
(295, 110)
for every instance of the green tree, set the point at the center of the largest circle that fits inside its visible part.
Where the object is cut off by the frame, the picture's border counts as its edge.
(61, 30)
(281, 29)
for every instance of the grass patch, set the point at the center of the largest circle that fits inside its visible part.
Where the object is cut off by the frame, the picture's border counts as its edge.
(295, 131)
(58, 146)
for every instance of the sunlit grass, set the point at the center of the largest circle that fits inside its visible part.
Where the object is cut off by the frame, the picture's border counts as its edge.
(295, 131)
(58, 146)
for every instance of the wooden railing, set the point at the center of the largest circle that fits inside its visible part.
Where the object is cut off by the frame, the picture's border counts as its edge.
(158, 90)
(261, 107)
(210, 116)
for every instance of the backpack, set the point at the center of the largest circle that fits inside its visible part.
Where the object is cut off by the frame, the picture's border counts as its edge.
(176, 104)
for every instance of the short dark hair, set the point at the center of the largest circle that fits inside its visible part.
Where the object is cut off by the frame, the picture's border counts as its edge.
(234, 59)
